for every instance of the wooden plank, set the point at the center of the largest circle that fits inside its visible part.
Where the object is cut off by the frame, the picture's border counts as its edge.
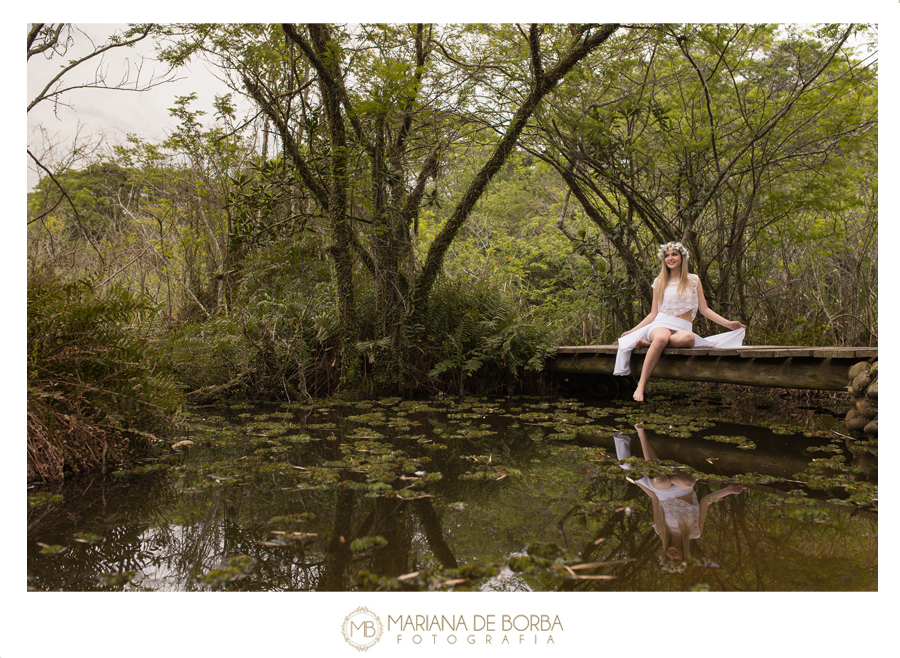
(862, 353)
(747, 351)
(776, 353)
(771, 368)
(586, 349)
(833, 352)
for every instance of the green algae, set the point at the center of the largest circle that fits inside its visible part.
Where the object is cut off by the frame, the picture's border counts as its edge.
(237, 567)
(742, 442)
(553, 457)
(43, 499)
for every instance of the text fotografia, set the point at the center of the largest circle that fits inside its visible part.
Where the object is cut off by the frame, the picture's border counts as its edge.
(482, 629)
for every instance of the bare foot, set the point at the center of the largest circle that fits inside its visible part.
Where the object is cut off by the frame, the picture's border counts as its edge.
(639, 394)
(642, 343)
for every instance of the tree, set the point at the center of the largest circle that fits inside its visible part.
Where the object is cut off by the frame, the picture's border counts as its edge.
(700, 130)
(366, 117)
(54, 40)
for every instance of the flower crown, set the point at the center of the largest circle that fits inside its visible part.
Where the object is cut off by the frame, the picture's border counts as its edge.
(663, 248)
(671, 568)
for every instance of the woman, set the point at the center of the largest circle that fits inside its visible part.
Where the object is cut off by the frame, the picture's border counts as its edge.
(678, 516)
(677, 296)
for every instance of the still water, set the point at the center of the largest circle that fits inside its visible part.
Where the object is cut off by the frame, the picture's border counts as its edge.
(491, 494)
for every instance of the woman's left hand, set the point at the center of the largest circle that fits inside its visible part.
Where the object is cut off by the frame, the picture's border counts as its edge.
(734, 324)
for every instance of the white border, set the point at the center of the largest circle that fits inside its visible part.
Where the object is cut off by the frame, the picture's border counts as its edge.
(179, 624)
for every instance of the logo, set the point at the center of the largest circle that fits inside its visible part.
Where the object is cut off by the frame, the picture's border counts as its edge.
(362, 629)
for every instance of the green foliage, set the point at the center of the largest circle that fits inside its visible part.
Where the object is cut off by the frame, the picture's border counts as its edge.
(90, 383)
(563, 273)
(255, 198)
(274, 288)
(364, 544)
(474, 327)
(276, 342)
(280, 340)
(725, 144)
(93, 191)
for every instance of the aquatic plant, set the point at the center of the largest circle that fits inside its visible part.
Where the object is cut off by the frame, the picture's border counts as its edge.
(742, 442)
(454, 506)
(237, 567)
(43, 499)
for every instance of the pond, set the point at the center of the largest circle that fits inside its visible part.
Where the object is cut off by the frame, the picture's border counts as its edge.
(491, 494)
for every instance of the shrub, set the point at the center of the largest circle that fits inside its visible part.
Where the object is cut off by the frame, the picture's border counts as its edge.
(282, 337)
(91, 387)
(481, 334)
(277, 340)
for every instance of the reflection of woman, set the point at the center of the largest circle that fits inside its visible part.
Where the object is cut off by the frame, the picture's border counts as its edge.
(677, 515)
(677, 296)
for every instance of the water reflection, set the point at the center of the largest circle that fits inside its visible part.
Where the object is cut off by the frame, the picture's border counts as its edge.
(678, 516)
(461, 495)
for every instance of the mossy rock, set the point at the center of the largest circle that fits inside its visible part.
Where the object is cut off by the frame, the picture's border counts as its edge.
(872, 391)
(854, 421)
(858, 368)
(871, 428)
(861, 383)
(867, 464)
(867, 409)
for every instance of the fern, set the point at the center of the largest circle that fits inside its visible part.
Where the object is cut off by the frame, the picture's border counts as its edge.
(91, 384)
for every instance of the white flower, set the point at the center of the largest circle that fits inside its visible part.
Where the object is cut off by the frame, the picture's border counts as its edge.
(663, 248)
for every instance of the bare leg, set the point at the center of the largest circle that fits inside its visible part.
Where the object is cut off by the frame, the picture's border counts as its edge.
(659, 339)
(682, 480)
(683, 339)
(649, 453)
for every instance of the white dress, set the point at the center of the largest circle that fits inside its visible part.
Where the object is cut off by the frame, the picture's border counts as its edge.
(671, 505)
(674, 509)
(672, 306)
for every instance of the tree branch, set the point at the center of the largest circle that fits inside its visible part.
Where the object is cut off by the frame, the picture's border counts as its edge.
(682, 41)
(767, 127)
(577, 51)
(33, 33)
(71, 203)
(269, 107)
(534, 45)
(333, 81)
(44, 95)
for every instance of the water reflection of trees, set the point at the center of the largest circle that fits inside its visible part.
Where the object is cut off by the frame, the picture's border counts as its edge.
(176, 538)
(754, 546)
(101, 533)
(749, 543)
(172, 542)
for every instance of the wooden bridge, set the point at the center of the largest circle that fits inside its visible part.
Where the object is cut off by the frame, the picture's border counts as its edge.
(822, 368)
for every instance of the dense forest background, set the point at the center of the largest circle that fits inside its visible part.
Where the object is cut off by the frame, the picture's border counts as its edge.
(424, 208)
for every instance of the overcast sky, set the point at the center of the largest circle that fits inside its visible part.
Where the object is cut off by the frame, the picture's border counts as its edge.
(94, 113)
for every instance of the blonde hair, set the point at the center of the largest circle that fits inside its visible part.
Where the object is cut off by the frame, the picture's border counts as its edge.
(663, 280)
(685, 527)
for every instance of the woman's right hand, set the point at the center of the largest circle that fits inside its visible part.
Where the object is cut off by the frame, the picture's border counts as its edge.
(625, 333)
